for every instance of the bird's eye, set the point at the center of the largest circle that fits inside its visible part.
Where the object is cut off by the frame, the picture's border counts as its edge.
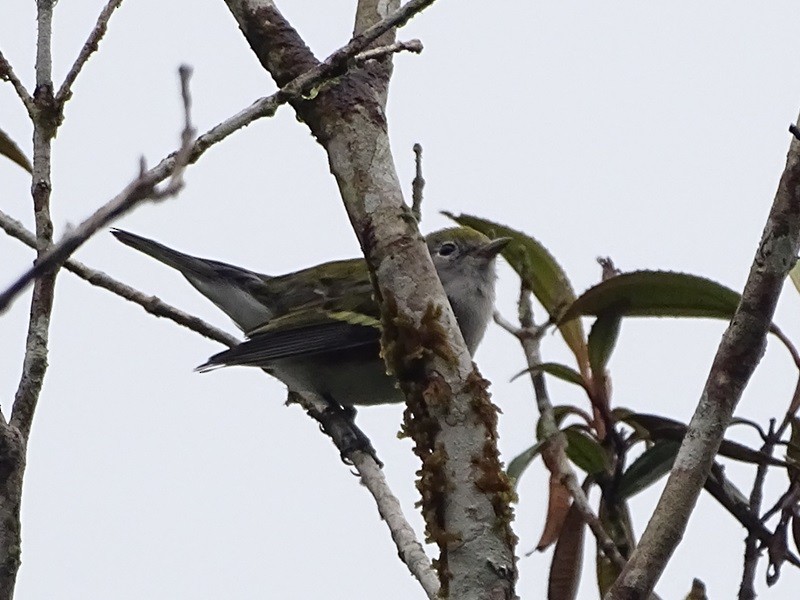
(447, 249)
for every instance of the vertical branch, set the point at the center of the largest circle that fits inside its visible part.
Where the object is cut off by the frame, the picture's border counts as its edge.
(751, 550)
(417, 185)
(739, 352)
(45, 122)
(14, 436)
(46, 119)
(379, 73)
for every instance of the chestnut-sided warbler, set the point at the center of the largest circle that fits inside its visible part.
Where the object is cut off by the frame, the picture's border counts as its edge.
(318, 330)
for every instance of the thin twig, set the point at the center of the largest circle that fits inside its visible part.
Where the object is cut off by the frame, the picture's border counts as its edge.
(508, 326)
(409, 549)
(44, 130)
(89, 48)
(778, 547)
(301, 86)
(151, 304)
(188, 133)
(339, 429)
(414, 46)
(396, 19)
(778, 333)
(7, 74)
(609, 268)
(140, 189)
(794, 404)
(529, 336)
(14, 435)
(751, 550)
(417, 185)
(731, 499)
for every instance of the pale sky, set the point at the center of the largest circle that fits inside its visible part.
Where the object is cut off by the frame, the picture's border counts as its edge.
(654, 133)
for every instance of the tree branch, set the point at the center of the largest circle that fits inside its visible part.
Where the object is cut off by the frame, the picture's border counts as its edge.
(751, 550)
(409, 549)
(454, 423)
(417, 185)
(89, 47)
(739, 352)
(14, 435)
(7, 74)
(44, 128)
(304, 84)
(414, 46)
(140, 189)
(151, 304)
(342, 430)
(529, 336)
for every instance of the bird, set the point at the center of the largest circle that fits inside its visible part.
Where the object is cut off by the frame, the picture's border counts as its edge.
(318, 329)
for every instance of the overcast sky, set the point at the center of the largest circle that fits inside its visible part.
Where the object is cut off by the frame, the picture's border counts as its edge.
(653, 133)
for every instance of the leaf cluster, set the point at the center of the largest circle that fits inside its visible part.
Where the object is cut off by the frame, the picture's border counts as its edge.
(620, 451)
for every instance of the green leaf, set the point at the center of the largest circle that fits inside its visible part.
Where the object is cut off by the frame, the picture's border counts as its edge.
(655, 427)
(565, 568)
(652, 465)
(656, 294)
(602, 339)
(11, 151)
(562, 372)
(521, 462)
(616, 520)
(541, 274)
(585, 451)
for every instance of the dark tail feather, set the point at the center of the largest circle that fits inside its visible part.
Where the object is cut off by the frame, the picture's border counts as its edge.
(184, 263)
(243, 295)
(241, 355)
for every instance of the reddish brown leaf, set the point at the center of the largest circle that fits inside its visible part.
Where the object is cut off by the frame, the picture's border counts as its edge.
(559, 498)
(557, 508)
(565, 569)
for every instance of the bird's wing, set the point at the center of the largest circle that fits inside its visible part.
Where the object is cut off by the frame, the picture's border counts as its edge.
(301, 334)
(325, 308)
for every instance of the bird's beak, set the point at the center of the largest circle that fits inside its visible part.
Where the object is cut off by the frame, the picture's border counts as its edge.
(493, 248)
